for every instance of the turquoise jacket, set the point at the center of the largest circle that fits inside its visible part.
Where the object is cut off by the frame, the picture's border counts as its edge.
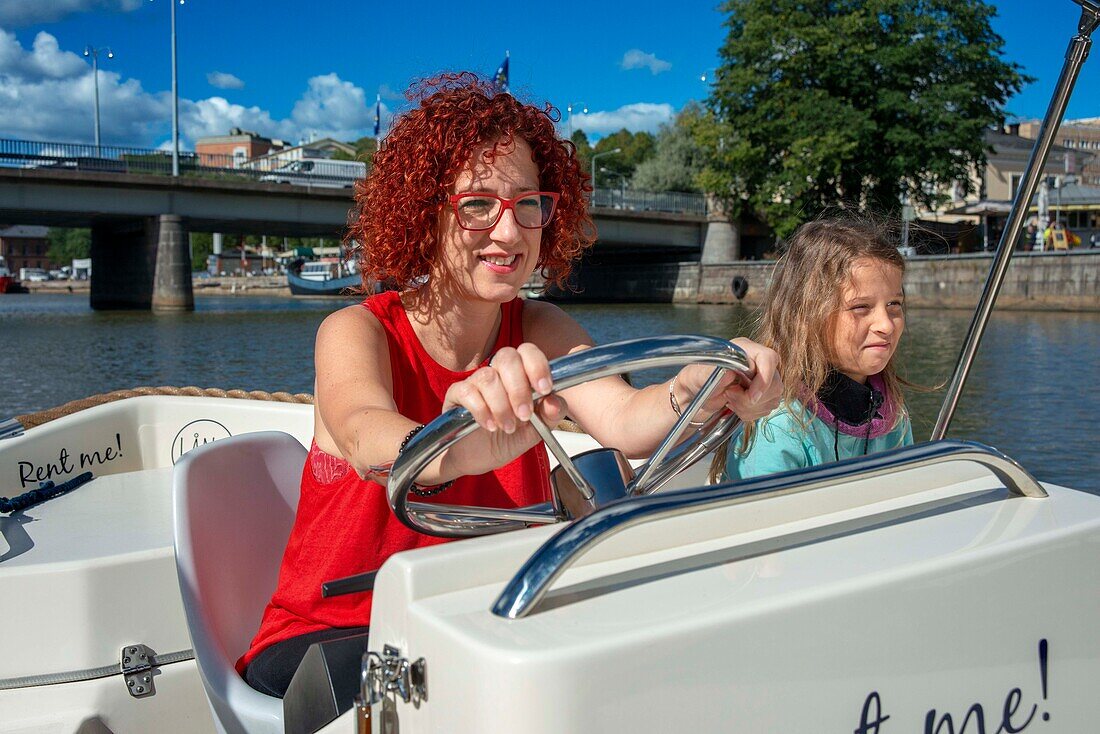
(781, 443)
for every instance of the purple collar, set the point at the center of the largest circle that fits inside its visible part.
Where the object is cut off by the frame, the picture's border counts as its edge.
(880, 425)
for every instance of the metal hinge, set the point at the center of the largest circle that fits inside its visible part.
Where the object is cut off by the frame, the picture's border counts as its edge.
(137, 669)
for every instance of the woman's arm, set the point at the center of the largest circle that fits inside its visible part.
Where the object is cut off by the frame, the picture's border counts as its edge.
(358, 419)
(635, 421)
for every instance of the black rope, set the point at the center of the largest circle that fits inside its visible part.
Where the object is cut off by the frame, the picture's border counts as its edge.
(45, 491)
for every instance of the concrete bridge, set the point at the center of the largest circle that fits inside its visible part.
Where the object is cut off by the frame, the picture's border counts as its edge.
(139, 225)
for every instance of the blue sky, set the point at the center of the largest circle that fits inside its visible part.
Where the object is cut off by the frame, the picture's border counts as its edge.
(294, 69)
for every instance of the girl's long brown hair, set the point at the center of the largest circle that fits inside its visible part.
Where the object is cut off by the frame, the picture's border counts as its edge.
(798, 314)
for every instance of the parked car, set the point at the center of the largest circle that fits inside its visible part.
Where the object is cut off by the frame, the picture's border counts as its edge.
(318, 172)
(34, 275)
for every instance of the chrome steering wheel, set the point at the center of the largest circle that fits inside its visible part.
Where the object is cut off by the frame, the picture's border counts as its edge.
(590, 480)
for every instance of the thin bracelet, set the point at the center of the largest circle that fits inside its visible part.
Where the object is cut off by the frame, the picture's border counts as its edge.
(416, 488)
(676, 405)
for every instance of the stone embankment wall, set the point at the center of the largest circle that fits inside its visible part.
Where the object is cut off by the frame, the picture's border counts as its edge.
(1054, 281)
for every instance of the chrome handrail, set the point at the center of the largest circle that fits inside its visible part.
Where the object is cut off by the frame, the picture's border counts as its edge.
(535, 577)
(567, 371)
(1076, 54)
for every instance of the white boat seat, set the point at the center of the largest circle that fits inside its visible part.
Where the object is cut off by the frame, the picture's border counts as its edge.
(234, 502)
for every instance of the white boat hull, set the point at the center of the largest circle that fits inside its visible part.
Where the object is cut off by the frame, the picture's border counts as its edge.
(895, 615)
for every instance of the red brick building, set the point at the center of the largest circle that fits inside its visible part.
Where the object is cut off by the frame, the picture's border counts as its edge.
(24, 246)
(229, 151)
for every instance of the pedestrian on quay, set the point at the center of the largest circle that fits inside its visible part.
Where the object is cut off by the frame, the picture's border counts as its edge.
(468, 195)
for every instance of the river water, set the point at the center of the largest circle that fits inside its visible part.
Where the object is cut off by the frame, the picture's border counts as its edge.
(1032, 392)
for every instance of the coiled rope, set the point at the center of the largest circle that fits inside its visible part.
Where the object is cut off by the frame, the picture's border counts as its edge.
(30, 420)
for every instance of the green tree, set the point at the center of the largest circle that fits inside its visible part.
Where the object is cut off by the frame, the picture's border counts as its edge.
(584, 150)
(65, 245)
(364, 151)
(202, 245)
(635, 148)
(677, 159)
(820, 103)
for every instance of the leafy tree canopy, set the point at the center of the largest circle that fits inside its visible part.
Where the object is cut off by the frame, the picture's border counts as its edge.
(677, 159)
(364, 150)
(635, 148)
(820, 103)
(65, 245)
(584, 150)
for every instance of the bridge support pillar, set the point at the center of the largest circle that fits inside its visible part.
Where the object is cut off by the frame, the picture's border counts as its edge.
(722, 242)
(172, 279)
(124, 255)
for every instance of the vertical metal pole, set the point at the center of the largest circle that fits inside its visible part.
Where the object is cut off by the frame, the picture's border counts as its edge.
(95, 85)
(175, 100)
(1076, 54)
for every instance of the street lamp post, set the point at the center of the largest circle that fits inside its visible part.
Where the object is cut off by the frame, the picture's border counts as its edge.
(175, 95)
(596, 156)
(175, 98)
(622, 185)
(94, 53)
(569, 111)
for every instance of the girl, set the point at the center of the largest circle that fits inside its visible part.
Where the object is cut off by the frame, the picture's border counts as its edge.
(835, 313)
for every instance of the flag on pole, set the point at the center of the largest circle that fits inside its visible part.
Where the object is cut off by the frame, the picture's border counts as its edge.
(378, 115)
(500, 79)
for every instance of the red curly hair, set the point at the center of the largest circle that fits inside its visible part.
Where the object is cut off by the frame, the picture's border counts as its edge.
(398, 206)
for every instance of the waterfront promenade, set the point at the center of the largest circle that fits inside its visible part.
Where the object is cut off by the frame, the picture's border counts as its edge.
(1054, 281)
(1066, 281)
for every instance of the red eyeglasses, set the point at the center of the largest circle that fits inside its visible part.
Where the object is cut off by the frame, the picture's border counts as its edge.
(478, 212)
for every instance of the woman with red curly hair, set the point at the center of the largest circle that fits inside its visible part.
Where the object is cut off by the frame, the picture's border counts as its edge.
(470, 193)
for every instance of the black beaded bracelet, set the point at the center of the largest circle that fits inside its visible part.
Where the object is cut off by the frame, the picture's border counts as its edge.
(417, 489)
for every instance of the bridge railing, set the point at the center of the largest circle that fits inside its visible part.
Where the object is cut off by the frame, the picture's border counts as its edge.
(122, 159)
(649, 201)
(336, 174)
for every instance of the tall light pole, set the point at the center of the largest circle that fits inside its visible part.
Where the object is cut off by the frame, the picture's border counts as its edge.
(569, 109)
(175, 95)
(175, 98)
(94, 53)
(600, 155)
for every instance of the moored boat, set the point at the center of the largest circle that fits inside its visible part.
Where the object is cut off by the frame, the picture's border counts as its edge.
(6, 278)
(342, 286)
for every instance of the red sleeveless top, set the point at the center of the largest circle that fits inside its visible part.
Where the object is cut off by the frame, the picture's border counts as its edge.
(344, 524)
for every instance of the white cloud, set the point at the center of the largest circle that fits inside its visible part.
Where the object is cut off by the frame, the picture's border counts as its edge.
(224, 80)
(216, 115)
(387, 92)
(46, 94)
(636, 117)
(19, 13)
(635, 58)
(333, 108)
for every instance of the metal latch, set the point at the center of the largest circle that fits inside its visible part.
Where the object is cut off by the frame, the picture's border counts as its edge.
(390, 673)
(137, 669)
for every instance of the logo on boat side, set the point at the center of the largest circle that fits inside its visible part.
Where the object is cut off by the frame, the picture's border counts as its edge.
(1018, 712)
(195, 434)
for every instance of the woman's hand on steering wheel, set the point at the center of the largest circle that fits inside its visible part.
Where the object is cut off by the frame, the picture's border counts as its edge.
(499, 396)
(749, 401)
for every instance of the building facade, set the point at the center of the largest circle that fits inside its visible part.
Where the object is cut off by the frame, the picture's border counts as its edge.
(24, 246)
(1082, 139)
(230, 151)
(967, 222)
(323, 148)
